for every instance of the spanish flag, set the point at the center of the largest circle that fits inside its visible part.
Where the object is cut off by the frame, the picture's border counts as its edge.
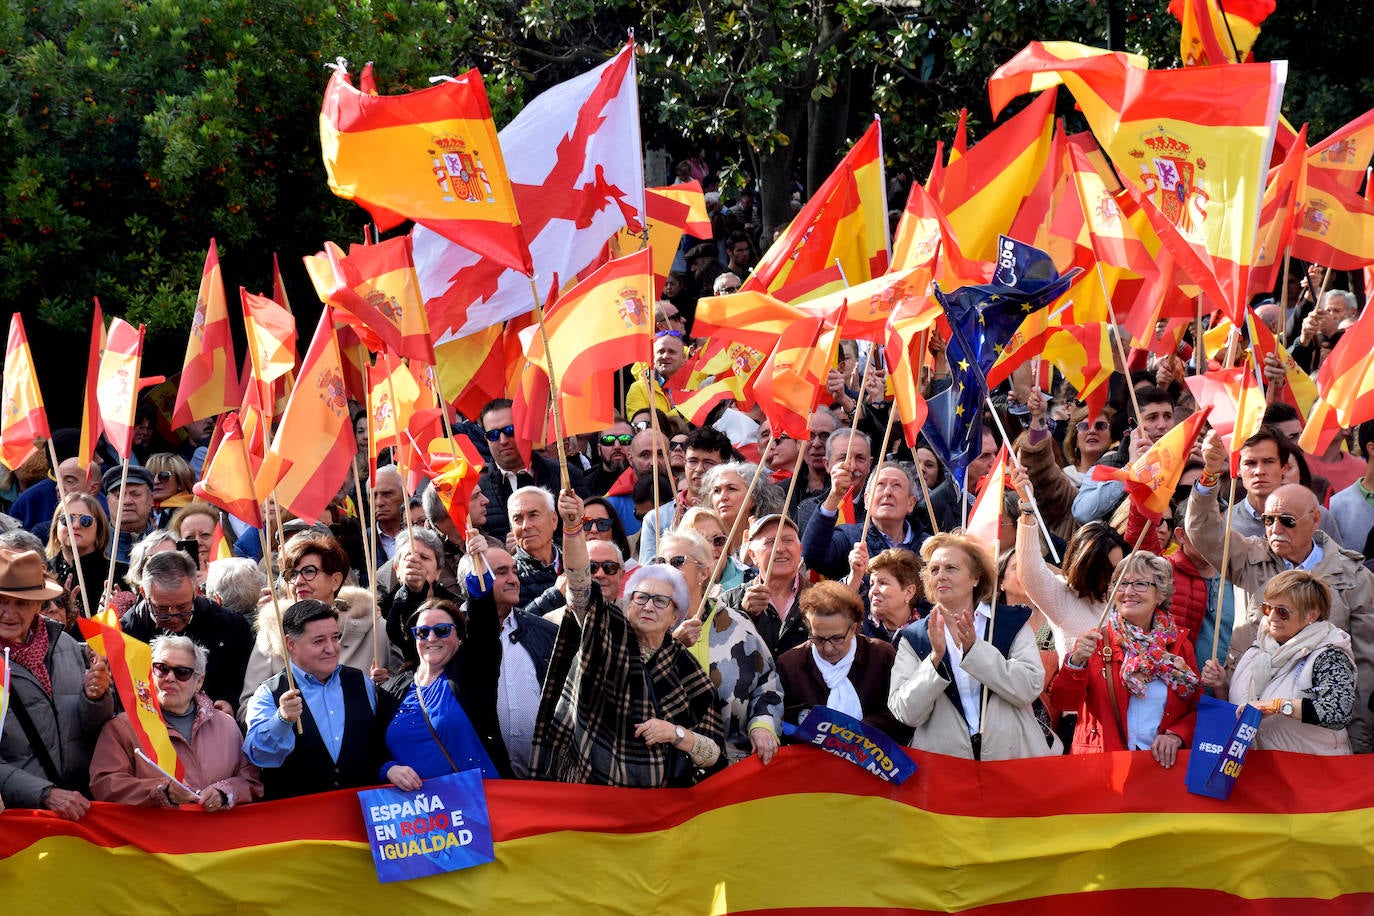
(749, 317)
(1230, 394)
(985, 520)
(90, 408)
(867, 306)
(24, 419)
(840, 236)
(472, 369)
(1150, 480)
(375, 291)
(220, 548)
(791, 381)
(314, 445)
(457, 466)
(1280, 212)
(909, 332)
(227, 478)
(672, 212)
(1083, 353)
(271, 331)
(1344, 156)
(131, 672)
(431, 156)
(117, 388)
(1336, 227)
(1216, 33)
(207, 387)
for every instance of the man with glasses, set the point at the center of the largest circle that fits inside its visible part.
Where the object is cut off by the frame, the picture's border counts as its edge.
(170, 605)
(726, 284)
(1291, 540)
(613, 455)
(706, 448)
(507, 472)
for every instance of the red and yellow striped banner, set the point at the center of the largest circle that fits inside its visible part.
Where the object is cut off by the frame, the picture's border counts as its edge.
(807, 834)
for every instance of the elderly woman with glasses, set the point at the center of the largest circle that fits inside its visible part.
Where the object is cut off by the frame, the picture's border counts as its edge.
(208, 743)
(313, 566)
(416, 562)
(196, 522)
(1300, 672)
(1134, 682)
(447, 720)
(733, 653)
(624, 704)
(965, 676)
(81, 529)
(839, 668)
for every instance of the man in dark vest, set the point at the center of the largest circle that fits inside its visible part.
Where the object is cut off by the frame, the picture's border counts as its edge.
(341, 744)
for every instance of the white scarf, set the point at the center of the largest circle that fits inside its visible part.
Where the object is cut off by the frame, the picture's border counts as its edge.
(843, 696)
(1273, 658)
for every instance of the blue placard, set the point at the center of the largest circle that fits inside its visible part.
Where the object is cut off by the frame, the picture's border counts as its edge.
(1221, 739)
(441, 828)
(847, 737)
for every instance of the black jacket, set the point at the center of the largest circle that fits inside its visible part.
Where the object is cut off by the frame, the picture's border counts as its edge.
(543, 473)
(226, 635)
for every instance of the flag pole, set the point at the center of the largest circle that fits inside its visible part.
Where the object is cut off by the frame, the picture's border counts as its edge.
(1111, 595)
(368, 509)
(271, 586)
(1115, 332)
(400, 462)
(743, 512)
(71, 536)
(1199, 345)
(114, 547)
(554, 396)
(479, 565)
(1226, 537)
(1011, 452)
(791, 489)
(882, 454)
(859, 405)
(1283, 299)
(369, 558)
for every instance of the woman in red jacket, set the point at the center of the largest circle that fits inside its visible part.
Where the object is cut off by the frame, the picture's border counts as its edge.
(1135, 682)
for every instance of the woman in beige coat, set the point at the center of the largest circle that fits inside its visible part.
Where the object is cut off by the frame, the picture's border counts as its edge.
(966, 676)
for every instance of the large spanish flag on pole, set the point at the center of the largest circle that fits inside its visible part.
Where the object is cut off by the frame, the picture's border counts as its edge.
(840, 236)
(431, 156)
(131, 672)
(314, 445)
(23, 419)
(207, 386)
(90, 407)
(227, 479)
(1084, 834)
(375, 291)
(117, 389)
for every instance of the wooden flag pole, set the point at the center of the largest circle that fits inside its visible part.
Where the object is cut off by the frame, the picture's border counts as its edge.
(1283, 299)
(1226, 536)
(1016, 462)
(1199, 345)
(1111, 595)
(1115, 332)
(740, 516)
(370, 559)
(859, 406)
(791, 489)
(71, 529)
(877, 466)
(396, 425)
(114, 546)
(563, 478)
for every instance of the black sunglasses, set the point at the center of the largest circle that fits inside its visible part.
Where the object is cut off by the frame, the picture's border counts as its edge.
(440, 631)
(613, 438)
(676, 562)
(494, 435)
(609, 567)
(1288, 521)
(597, 524)
(163, 476)
(180, 672)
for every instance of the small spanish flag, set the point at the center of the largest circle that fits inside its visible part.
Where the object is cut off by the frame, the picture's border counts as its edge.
(219, 544)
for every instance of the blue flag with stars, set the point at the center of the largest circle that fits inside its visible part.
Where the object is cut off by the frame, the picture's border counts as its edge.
(982, 319)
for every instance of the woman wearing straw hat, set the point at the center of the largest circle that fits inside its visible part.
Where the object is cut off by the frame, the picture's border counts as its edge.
(58, 701)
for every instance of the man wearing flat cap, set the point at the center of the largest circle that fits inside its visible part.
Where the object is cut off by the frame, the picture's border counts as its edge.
(60, 696)
(136, 510)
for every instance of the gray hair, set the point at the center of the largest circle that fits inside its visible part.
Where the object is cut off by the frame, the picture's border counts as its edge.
(141, 551)
(727, 276)
(840, 439)
(1352, 304)
(172, 642)
(906, 467)
(20, 540)
(543, 494)
(235, 583)
(1152, 565)
(696, 545)
(167, 569)
(432, 504)
(662, 572)
(390, 470)
(424, 536)
(619, 557)
(767, 498)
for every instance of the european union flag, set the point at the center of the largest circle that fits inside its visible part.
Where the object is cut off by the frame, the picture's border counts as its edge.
(982, 320)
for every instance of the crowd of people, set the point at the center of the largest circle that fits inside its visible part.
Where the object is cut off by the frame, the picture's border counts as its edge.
(673, 598)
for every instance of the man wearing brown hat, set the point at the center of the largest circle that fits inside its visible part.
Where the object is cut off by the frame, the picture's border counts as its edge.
(58, 702)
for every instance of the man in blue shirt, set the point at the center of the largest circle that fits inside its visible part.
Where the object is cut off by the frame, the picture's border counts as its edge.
(340, 743)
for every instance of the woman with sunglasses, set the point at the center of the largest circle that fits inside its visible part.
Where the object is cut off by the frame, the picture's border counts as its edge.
(623, 703)
(207, 742)
(601, 523)
(838, 667)
(1134, 682)
(1086, 440)
(87, 537)
(172, 480)
(1300, 672)
(733, 654)
(446, 720)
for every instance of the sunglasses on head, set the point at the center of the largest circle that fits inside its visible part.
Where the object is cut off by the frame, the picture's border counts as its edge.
(609, 567)
(1286, 520)
(617, 438)
(439, 631)
(494, 435)
(85, 521)
(180, 672)
(596, 524)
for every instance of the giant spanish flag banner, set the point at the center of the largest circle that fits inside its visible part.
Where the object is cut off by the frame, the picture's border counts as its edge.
(431, 156)
(1101, 833)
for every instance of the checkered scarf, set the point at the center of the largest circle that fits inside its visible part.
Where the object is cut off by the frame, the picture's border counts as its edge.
(599, 687)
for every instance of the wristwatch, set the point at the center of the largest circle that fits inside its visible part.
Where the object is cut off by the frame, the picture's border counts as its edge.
(678, 733)
(1286, 707)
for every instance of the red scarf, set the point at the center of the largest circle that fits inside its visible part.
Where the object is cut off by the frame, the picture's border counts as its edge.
(32, 652)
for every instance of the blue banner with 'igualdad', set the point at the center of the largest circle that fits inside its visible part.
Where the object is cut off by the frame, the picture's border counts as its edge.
(848, 738)
(441, 828)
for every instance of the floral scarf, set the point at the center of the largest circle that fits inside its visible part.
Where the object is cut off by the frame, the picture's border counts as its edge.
(1146, 656)
(32, 652)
